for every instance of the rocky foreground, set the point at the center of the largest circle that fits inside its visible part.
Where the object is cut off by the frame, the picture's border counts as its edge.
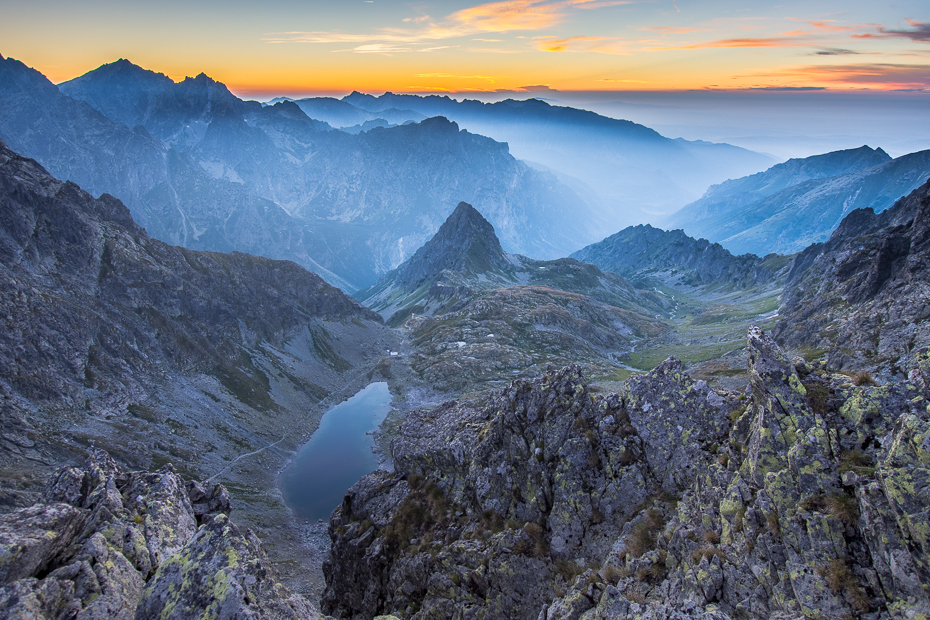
(807, 495)
(103, 543)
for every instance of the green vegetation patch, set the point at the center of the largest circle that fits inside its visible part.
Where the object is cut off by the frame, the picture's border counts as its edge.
(325, 352)
(246, 383)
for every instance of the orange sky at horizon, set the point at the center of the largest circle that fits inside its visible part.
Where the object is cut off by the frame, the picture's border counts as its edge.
(518, 47)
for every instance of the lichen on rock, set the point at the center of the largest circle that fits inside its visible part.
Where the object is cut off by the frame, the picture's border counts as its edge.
(804, 496)
(104, 543)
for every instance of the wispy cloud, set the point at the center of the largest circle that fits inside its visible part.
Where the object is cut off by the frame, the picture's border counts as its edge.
(378, 48)
(673, 29)
(492, 17)
(551, 44)
(823, 34)
(884, 76)
(535, 88)
(788, 88)
(829, 25)
(457, 77)
(788, 41)
(600, 45)
(920, 32)
(835, 51)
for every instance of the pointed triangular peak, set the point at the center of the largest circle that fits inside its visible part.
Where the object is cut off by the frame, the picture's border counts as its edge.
(465, 243)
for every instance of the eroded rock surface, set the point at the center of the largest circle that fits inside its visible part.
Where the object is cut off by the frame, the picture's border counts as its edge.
(806, 495)
(103, 543)
(493, 507)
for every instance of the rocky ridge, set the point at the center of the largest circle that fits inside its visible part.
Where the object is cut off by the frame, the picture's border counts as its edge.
(804, 496)
(728, 197)
(105, 543)
(643, 253)
(861, 297)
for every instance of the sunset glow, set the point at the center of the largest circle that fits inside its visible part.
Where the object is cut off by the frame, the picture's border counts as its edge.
(293, 48)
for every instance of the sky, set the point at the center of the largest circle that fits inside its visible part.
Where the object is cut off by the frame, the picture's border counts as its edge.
(644, 60)
(333, 47)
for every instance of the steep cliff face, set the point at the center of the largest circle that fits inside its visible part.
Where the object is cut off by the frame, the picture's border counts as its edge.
(103, 542)
(805, 496)
(465, 243)
(861, 297)
(642, 253)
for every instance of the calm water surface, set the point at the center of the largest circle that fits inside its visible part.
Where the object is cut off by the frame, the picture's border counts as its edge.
(337, 455)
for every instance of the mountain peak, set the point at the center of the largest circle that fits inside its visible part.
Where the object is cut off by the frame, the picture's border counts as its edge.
(465, 243)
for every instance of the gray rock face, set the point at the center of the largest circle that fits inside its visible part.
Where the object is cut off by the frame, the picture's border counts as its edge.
(642, 252)
(130, 545)
(805, 496)
(861, 297)
(464, 243)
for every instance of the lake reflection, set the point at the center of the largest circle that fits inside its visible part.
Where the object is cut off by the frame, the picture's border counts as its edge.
(337, 455)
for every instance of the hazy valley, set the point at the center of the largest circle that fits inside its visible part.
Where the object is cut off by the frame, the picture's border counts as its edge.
(592, 416)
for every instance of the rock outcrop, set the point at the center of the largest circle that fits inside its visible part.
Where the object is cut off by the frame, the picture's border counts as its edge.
(804, 496)
(493, 506)
(862, 297)
(111, 339)
(103, 543)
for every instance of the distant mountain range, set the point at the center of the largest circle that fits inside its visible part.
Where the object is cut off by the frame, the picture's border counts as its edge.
(800, 202)
(645, 254)
(635, 172)
(343, 115)
(201, 168)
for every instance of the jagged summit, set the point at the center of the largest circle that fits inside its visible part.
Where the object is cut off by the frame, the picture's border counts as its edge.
(464, 262)
(466, 243)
